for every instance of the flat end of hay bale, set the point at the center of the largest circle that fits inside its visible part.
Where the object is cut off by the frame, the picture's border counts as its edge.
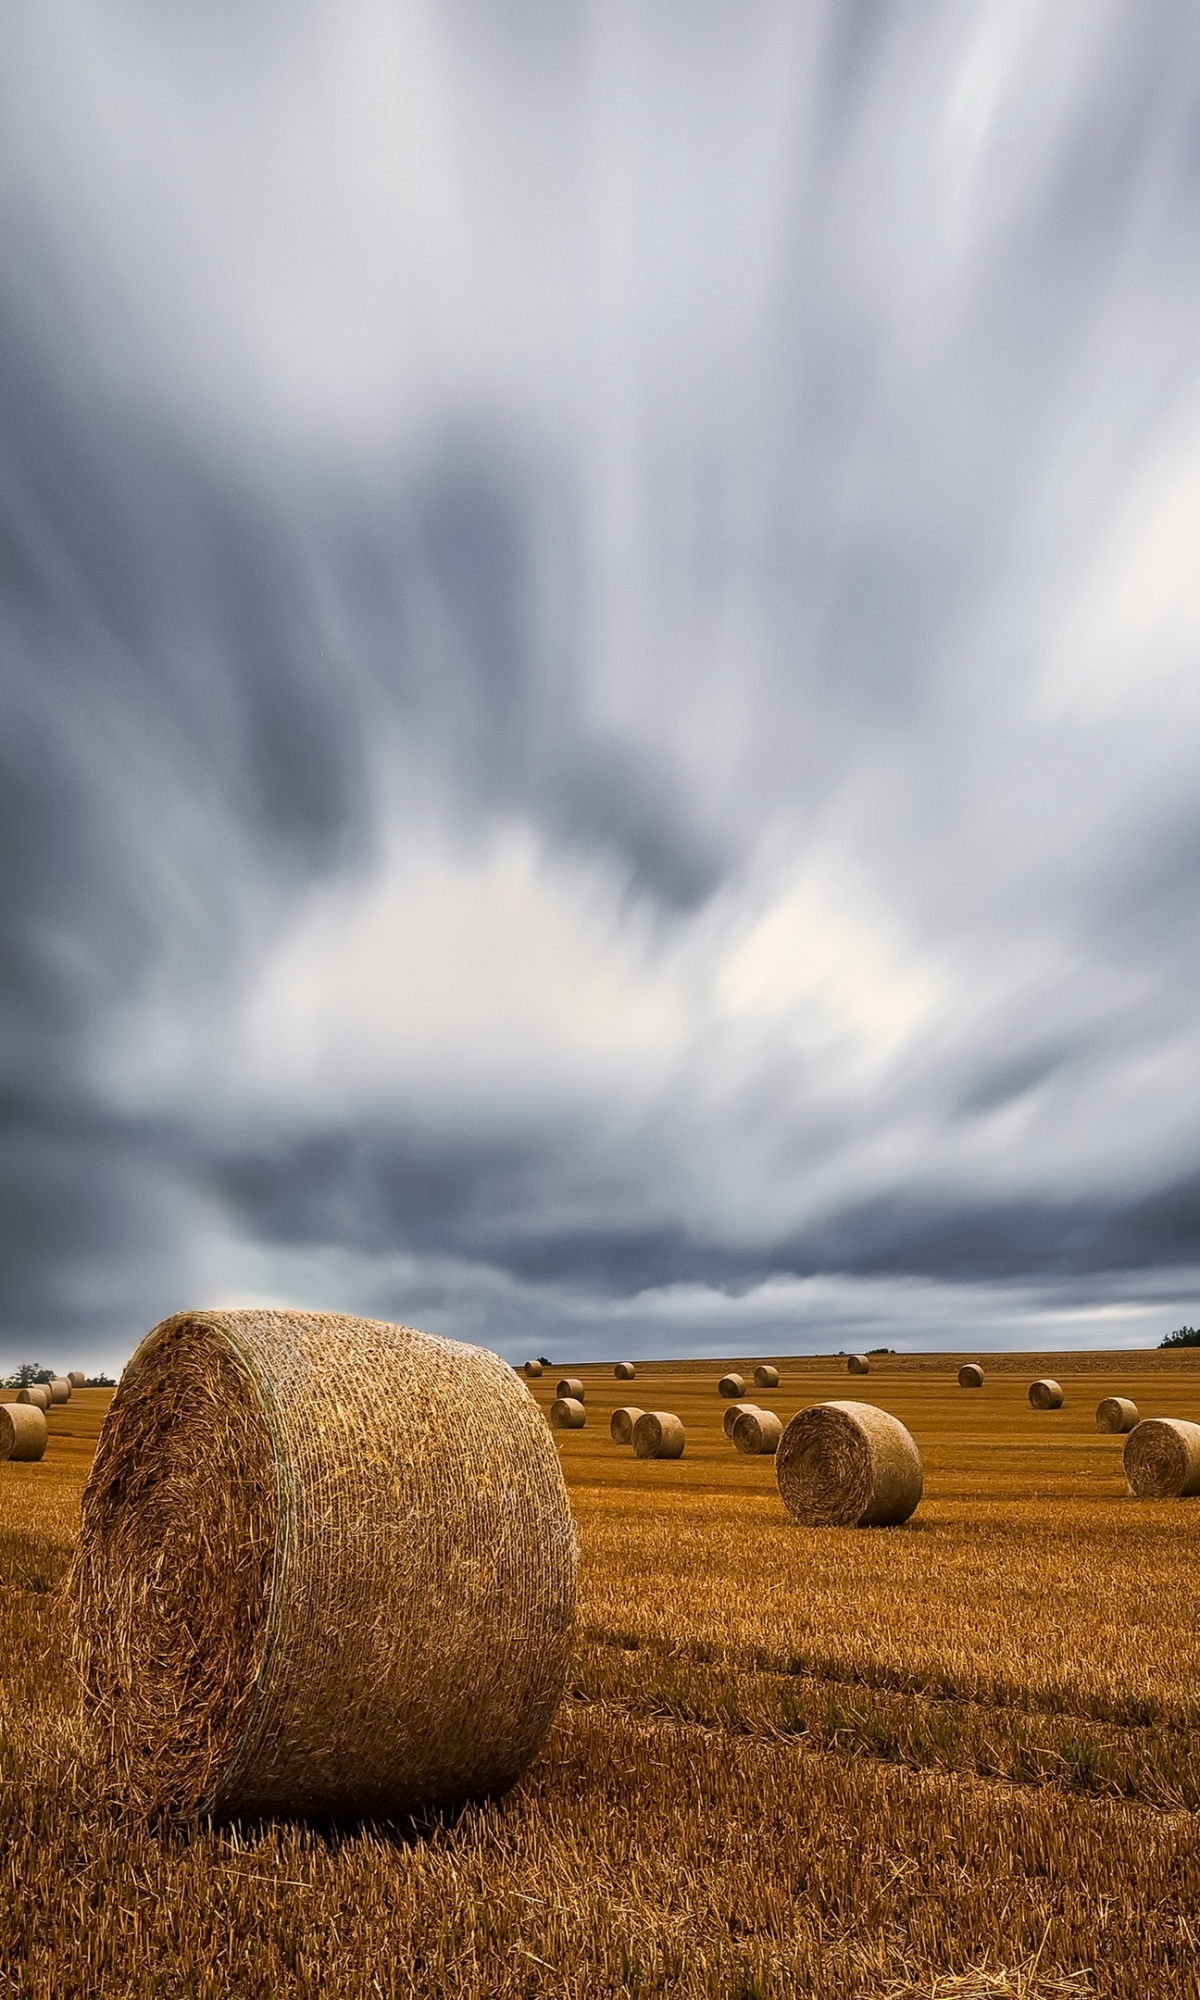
(570, 1389)
(857, 1364)
(848, 1465)
(658, 1434)
(766, 1376)
(621, 1423)
(731, 1386)
(1162, 1459)
(970, 1376)
(1116, 1415)
(1045, 1395)
(23, 1432)
(756, 1432)
(625, 1371)
(568, 1414)
(531, 1370)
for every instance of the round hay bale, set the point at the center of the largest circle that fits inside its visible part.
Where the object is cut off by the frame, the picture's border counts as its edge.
(658, 1434)
(621, 1423)
(568, 1414)
(731, 1414)
(326, 1568)
(970, 1375)
(731, 1386)
(1116, 1414)
(532, 1370)
(848, 1465)
(765, 1376)
(60, 1389)
(1045, 1395)
(857, 1364)
(757, 1432)
(37, 1393)
(76, 1377)
(570, 1389)
(23, 1431)
(1162, 1459)
(625, 1371)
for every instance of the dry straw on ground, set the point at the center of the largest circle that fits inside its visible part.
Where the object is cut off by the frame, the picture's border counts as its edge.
(848, 1465)
(625, 1371)
(76, 1378)
(37, 1393)
(1116, 1414)
(22, 1431)
(570, 1388)
(533, 1369)
(658, 1434)
(766, 1376)
(970, 1375)
(60, 1389)
(757, 1432)
(1162, 1459)
(731, 1386)
(568, 1414)
(621, 1423)
(1045, 1395)
(326, 1568)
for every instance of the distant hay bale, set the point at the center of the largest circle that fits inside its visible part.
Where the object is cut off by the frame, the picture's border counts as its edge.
(658, 1434)
(621, 1423)
(1116, 1414)
(625, 1371)
(766, 1377)
(970, 1376)
(848, 1465)
(1162, 1459)
(1045, 1395)
(76, 1378)
(757, 1432)
(532, 1370)
(731, 1415)
(731, 1386)
(60, 1389)
(37, 1393)
(568, 1414)
(570, 1389)
(326, 1568)
(857, 1364)
(22, 1431)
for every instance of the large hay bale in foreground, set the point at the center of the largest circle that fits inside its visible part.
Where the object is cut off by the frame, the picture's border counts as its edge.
(326, 1567)
(76, 1378)
(621, 1423)
(658, 1434)
(970, 1375)
(731, 1386)
(848, 1465)
(757, 1432)
(625, 1371)
(731, 1414)
(1116, 1414)
(37, 1393)
(568, 1414)
(570, 1389)
(23, 1431)
(766, 1376)
(532, 1369)
(1045, 1395)
(60, 1389)
(1162, 1459)
(857, 1364)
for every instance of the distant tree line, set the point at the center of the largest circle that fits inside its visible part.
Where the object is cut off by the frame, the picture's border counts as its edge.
(32, 1371)
(1183, 1336)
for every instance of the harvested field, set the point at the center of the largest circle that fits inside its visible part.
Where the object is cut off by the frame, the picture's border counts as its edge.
(958, 1757)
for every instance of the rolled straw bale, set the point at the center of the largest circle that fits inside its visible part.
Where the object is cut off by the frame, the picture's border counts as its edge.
(568, 1414)
(621, 1423)
(1162, 1459)
(532, 1370)
(1116, 1414)
(757, 1432)
(857, 1364)
(766, 1377)
(570, 1389)
(326, 1568)
(970, 1376)
(731, 1386)
(22, 1431)
(625, 1371)
(731, 1415)
(76, 1377)
(60, 1389)
(658, 1434)
(37, 1393)
(1045, 1395)
(848, 1465)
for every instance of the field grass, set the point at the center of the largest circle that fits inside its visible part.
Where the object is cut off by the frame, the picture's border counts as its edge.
(957, 1758)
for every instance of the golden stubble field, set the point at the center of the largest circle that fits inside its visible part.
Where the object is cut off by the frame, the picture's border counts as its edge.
(957, 1758)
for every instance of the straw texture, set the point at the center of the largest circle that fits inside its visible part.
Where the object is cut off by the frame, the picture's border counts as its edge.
(22, 1431)
(76, 1377)
(732, 1414)
(658, 1434)
(1045, 1395)
(757, 1432)
(533, 1369)
(60, 1389)
(1162, 1459)
(326, 1568)
(621, 1423)
(970, 1376)
(731, 1386)
(570, 1388)
(848, 1465)
(625, 1371)
(857, 1364)
(1116, 1414)
(765, 1376)
(37, 1393)
(568, 1414)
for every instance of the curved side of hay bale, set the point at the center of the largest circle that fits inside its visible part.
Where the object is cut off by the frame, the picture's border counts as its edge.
(37, 1393)
(76, 1378)
(531, 1370)
(568, 1414)
(23, 1432)
(658, 1434)
(757, 1432)
(1116, 1414)
(621, 1423)
(848, 1465)
(765, 1376)
(60, 1389)
(1162, 1459)
(625, 1371)
(970, 1376)
(1045, 1395)
(857, 1364)
(570, 1389)
(731, 1386)
(731, 1413)
(326, 1568)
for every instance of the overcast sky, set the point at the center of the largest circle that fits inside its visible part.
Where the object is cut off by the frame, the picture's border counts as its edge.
(600, 624)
